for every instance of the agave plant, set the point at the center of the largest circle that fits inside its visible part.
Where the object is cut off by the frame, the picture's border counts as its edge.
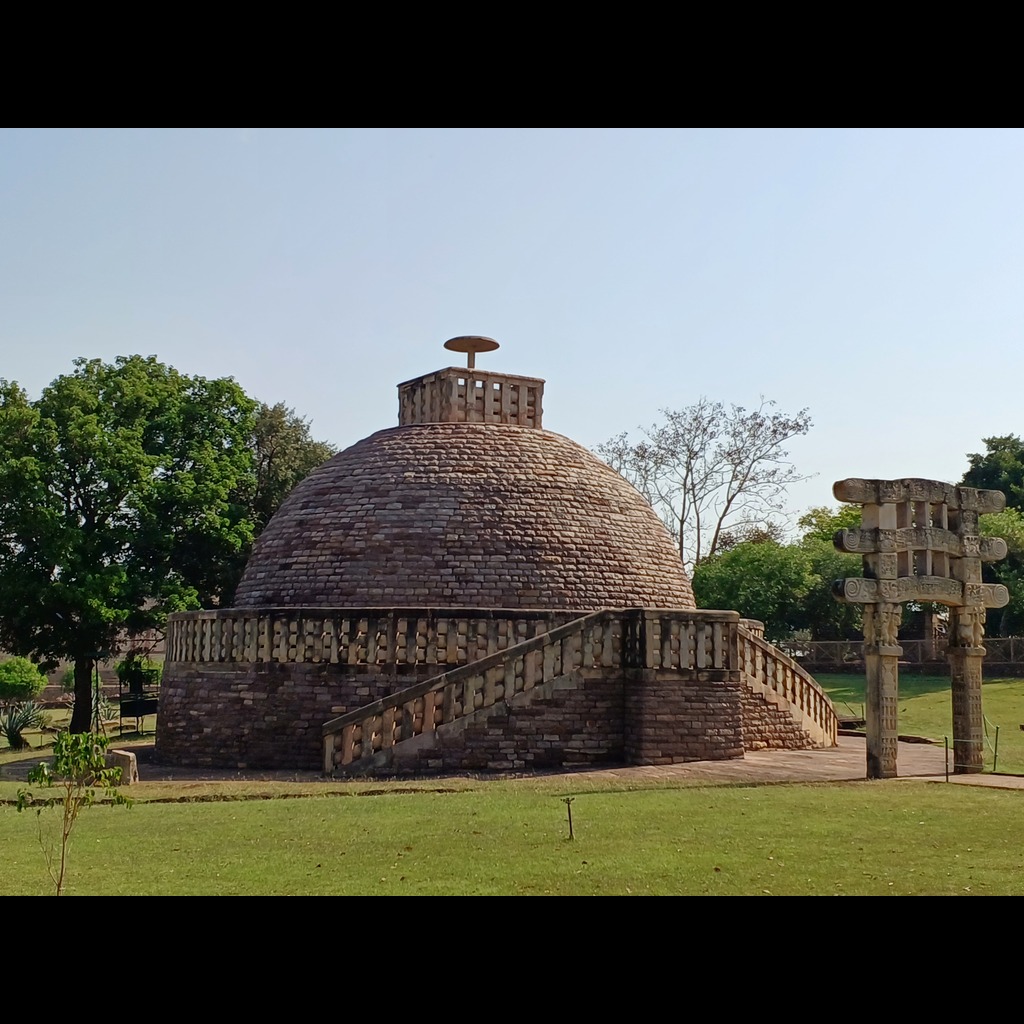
(104, 709)
(15, 718)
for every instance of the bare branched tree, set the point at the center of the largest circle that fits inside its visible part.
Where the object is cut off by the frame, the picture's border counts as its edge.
(708, 470)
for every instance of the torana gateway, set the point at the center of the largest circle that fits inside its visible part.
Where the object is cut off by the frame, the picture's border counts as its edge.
(469, 591)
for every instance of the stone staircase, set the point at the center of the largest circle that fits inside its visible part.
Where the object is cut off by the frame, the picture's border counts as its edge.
(617, 685)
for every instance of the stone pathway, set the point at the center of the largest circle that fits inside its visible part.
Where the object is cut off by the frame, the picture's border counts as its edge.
(844, 762)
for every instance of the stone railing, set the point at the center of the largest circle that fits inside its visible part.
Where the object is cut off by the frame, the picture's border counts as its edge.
(677, 640)
(456, 395)
(689, 641)
(386, 637)
(766, 669)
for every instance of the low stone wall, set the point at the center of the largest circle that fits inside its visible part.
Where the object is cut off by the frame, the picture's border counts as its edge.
(265, 715)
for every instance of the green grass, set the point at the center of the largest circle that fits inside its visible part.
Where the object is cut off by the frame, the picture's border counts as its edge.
(40, 741)
(510, 837)
(461, 835)
(926, 710)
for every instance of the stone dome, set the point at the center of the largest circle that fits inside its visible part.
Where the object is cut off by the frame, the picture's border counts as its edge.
(465, 515)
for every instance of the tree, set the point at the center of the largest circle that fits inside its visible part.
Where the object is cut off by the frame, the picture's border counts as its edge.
(1001, 468)
(119, 501)
(824, 617)
(710, 470)
(20, 680)
(284, 453)
(822, 522)
(761, 580)
(787, 586)
(1008, 524)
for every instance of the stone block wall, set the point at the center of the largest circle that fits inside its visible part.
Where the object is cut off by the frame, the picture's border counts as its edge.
(769, 727)
(671, 718)
(266, 715)
(579, 722)
(465, 514)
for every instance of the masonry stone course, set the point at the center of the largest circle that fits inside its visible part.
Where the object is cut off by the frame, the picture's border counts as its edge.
(496, 516)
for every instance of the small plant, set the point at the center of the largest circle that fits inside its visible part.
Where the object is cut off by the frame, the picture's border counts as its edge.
(20, 680)
(16, 718)
(78, 773)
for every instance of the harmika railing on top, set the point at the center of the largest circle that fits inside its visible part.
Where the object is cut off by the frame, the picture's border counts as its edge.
(631, 638)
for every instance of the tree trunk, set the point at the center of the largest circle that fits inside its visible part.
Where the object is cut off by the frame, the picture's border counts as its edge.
(81, 717)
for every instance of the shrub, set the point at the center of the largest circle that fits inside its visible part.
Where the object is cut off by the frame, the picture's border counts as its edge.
(20, 680)
(15, 718)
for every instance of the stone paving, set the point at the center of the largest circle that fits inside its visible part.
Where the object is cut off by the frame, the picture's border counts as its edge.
(843, 763)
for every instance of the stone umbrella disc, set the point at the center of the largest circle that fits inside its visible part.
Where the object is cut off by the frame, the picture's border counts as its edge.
(471, 344)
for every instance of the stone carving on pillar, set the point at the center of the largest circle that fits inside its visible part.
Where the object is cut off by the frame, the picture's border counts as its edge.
(920, 542)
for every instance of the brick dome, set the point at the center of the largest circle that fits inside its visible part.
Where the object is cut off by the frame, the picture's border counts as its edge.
(471, 515)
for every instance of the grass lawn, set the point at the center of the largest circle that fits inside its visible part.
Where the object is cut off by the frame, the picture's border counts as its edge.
(510, 837)
(463, 835)
(926, 709)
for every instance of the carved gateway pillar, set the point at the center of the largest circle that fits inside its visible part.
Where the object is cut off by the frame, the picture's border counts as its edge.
(881, 667)
(920, 543)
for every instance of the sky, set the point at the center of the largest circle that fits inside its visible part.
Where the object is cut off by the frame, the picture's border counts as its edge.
(871, 276)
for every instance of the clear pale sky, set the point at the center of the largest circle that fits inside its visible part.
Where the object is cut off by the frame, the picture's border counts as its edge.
(872, 276)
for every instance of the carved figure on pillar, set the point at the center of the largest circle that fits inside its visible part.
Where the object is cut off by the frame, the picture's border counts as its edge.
(882, 624)
(968, 627)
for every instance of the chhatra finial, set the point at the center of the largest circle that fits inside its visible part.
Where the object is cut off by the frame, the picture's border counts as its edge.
(471, 344)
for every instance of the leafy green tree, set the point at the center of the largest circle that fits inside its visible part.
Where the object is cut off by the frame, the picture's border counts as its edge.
(825, 618)
(20, 680)
(284, 453)
(787, 586)
(120, 500)
(1000, 468)
(822, 522)
(766, 581)
(1008, 524)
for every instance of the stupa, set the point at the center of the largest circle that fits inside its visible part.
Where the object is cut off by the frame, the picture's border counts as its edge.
(470, 591)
